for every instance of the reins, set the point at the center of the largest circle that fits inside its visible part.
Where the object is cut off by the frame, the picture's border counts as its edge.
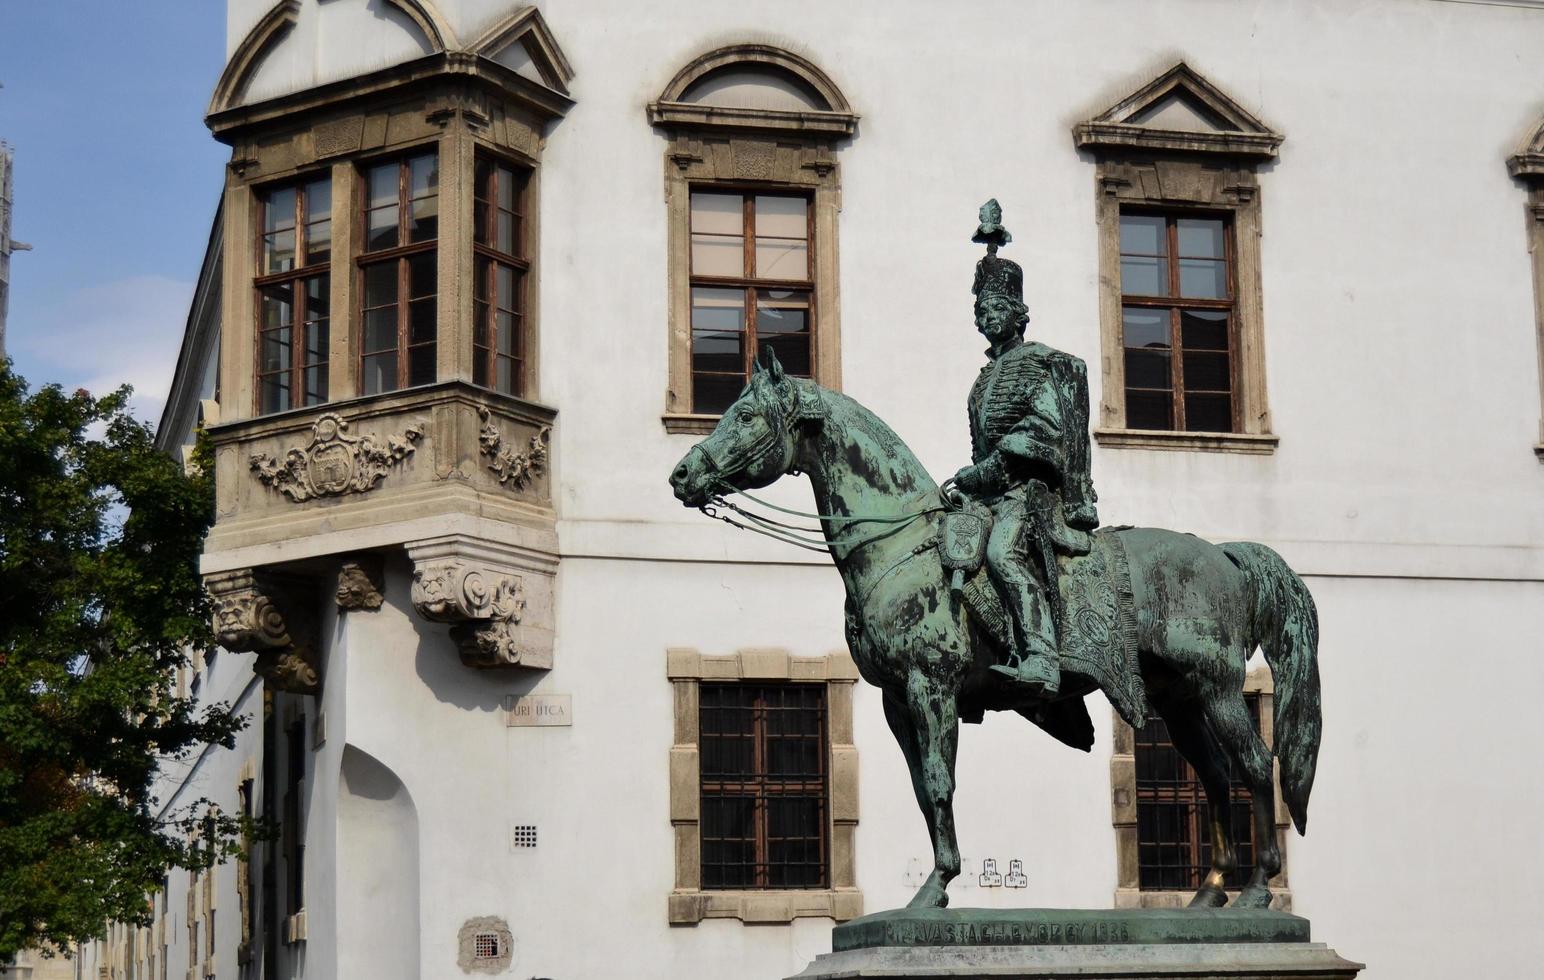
(804, 537)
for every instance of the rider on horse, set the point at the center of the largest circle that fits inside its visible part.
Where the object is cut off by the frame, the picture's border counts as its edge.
(1030, 462)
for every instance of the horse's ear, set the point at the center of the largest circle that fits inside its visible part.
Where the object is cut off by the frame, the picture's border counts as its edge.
(755, 366)
(773, 365)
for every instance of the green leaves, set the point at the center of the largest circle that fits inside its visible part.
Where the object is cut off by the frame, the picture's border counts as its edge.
(100, 535)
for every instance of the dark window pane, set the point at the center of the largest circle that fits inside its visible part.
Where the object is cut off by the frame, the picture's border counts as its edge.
(421, 325)
(1204, 371)
(319, 199)
(1145, 328)
(423, 219)
(719, 352)
(1142, 234)
(713, 393)
(508, 376)
(505, 327)
(482, 211)
(381, 284)
(1147, 368)
(1200, 238)
(1208, 413)
(508, 184)
(381, 229)
(316, 342)
(482, 170)
(318, 242)
(1149, 410)
(424, 176)
(276, 350)
(380, 330)
(316, 384)
(1140, 276)
(380, 372)
(422, 275)
(1203, 279)
(504, 282)
(420, 365)
(278, 309)
(782, 311)
(275, 393)
(279, 252)
(1203, 329)
(318, 296)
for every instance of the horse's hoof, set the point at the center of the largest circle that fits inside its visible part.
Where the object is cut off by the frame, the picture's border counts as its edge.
(931, 895)
(1209, 897)
(1253, 897)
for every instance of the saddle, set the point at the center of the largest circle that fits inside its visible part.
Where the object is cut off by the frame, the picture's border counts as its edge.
(1096, 630)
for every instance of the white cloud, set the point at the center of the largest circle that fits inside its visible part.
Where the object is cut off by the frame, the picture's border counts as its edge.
(99, 337)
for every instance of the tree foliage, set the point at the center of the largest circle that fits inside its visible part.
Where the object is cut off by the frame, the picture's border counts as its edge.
(100, 603)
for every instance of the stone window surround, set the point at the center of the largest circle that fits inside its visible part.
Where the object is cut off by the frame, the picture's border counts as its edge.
(1142, 166)
(1527, 165)
(689, 903)
(456, 102)
(747, 150)
(1123, 809)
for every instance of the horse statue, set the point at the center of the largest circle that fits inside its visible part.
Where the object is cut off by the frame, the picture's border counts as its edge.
(1164, 619)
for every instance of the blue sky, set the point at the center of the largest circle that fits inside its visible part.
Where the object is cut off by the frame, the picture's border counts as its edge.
(117, 182)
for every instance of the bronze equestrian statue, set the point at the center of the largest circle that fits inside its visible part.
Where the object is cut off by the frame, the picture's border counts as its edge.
(1044, 609)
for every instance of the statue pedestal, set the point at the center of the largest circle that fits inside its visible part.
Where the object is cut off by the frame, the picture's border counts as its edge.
(1087, 944)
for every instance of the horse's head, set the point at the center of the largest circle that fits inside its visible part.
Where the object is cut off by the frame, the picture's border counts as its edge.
(753, 443)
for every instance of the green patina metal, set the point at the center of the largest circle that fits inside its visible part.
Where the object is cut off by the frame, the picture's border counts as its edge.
(1049, 608)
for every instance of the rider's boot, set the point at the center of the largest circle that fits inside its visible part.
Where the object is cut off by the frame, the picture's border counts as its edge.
(1034, 663)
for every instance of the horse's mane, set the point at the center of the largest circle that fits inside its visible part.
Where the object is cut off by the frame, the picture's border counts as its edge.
(848, 419)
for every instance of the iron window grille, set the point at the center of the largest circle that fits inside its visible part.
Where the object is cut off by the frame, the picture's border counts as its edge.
(1174, 844)
(764, 786)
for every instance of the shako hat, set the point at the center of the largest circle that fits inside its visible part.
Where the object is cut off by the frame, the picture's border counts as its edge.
(996, 276)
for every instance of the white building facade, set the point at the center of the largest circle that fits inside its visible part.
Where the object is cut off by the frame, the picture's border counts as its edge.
(484, 273)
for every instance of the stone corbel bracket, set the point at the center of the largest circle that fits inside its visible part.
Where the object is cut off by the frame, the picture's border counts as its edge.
(497, 599)
(266, 613)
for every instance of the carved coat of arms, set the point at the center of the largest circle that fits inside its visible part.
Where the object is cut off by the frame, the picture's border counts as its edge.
(334, 463)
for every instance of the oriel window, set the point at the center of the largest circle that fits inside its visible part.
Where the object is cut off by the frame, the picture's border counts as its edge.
(1174, 842)
(752, 287)
(398, 274)
(764, 785)
(1177, 321)
(293, 286)
(500, 265)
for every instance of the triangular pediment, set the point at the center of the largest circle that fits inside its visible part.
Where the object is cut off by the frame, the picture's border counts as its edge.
(524, 44)
(1180, 111)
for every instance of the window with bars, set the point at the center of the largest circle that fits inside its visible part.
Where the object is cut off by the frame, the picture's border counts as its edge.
(1174, 843)
(752, 286)
(501, 263)
(399, 274)
(293, 287)
(763, 752)
(1177, 321)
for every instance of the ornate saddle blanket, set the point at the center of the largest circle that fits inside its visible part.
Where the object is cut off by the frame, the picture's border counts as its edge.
(1097, 634)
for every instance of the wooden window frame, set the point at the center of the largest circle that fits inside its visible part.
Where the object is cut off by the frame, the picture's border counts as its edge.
(1175, 304)
(1123, 811)
(762, 787)
(690, 903)
(520, 261)
(400, 254)
(748, 282)
(294, 278)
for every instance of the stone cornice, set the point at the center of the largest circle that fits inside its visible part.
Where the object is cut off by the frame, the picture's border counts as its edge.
(1129, 136)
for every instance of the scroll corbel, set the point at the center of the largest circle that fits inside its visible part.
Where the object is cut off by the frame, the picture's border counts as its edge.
(483, 606)
(265, 614)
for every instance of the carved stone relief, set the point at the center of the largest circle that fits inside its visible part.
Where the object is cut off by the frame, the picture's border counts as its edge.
(483, 606)
(516, 468)
(267, 616)
(334, 463)
(360, 583)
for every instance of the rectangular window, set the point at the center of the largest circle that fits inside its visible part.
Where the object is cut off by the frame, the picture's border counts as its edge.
(1174, 843)
(752, 286)
(398, 274)
(500, 264)
(1177, 321)
(763, 785)
(293, 283)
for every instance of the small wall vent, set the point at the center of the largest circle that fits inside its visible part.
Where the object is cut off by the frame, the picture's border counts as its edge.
(525, 835)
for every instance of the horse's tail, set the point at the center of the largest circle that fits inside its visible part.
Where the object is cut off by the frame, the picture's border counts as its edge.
(1286, 626)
